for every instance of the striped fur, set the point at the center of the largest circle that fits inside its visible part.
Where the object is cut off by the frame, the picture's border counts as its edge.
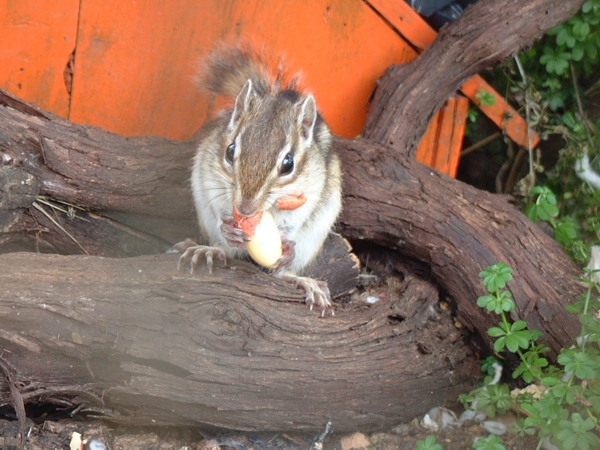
(271, 122)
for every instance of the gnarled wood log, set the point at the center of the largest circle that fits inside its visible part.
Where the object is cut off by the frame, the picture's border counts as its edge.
(458, 230)
(162, 315)
(231, 349)
(390, 200)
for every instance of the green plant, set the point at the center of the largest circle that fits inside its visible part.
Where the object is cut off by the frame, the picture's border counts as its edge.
(566, 229)
(486, 98)
(566, 407)
(492, 442)
(555, 84)
(487, 365)
(428, 444)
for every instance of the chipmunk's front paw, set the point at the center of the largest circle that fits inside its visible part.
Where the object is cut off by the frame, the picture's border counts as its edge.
(287, 255)
(317, 292)
(232, 232)
(191, 253)
(317, 295)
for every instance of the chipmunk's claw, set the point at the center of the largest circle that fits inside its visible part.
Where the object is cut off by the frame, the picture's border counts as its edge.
(317, 292)
(191, 253)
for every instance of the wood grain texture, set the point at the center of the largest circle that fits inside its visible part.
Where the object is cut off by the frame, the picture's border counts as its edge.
(237, 348)
(459, 230)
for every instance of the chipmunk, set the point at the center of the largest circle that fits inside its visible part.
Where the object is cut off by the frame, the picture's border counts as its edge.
(272, 144)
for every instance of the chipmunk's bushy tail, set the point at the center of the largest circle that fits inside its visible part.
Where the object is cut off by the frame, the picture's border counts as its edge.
(226, 70)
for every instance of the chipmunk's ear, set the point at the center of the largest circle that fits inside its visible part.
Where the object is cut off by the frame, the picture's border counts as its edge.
(242, 104)
(307, 118)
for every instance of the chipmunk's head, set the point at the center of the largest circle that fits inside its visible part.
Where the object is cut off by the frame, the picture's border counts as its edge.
(273, 147)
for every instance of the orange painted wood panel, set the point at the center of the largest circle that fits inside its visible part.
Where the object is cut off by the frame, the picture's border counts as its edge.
(454, 118)
(427, 148)
(136, 60)
(441, 145)
(458, 133)
(404, 19)
(503, 115)
(36, 40)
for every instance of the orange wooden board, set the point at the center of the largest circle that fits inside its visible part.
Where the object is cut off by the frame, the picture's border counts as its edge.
(36, 40)
(403, 18)
(454, 114)
(503, 115)
(441, 145)
(425, 153)
(136, 60)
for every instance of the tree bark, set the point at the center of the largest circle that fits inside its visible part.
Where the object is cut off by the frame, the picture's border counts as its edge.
(131, 196)
(137, 342)
(395, 202)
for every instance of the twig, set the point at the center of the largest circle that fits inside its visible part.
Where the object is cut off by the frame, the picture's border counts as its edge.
(481, 143)
(37, 206)
(580, 105)
(527, 119)
(318, 442)
(16, 398)
(69, 212)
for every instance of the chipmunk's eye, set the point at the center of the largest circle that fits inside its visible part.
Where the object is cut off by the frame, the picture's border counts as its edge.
(287, 165)
(229, 153)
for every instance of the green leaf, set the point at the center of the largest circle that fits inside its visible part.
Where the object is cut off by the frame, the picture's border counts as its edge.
(530, 409)
(595, 401)
(555, 61)
(577, 52)
(518, 325)
(492, 442)
(552, 83)
(556, 101)
(496, 276)
(575, 433)
(496, 332)
(428, 444)
(565, 230)
(500, 344)
(565, 37)
(485, 300)
(505, 302)
(516, 340)
(485, 98)
(488, 365)
(583, 364)
(580, 28)
(532, 212)
(550, 381)
(546, 211)
(544, 207)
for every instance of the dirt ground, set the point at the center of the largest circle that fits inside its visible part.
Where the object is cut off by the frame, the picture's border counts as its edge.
(58, 435)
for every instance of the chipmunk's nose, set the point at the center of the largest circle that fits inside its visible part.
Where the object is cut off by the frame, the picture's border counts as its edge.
(247, 208)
